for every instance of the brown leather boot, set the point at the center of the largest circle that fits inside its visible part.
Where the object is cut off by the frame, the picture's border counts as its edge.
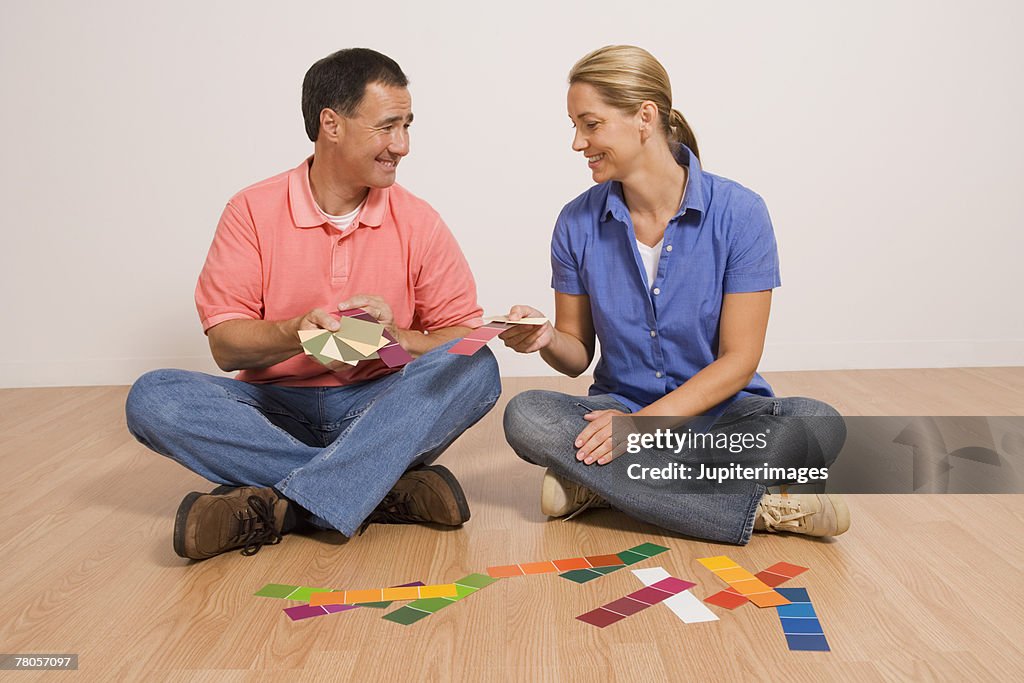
(246, 517)
(430, 493)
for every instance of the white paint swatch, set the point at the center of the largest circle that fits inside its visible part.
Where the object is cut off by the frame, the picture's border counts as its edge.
(685, 605)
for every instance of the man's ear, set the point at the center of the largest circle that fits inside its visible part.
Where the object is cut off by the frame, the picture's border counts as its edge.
(332, 124)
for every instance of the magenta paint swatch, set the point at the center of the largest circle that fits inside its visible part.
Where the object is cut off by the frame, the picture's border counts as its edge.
(639, 600)
(478, 338)
(635, 601)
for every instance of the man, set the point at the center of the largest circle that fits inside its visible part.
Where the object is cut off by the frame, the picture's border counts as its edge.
(294, 442)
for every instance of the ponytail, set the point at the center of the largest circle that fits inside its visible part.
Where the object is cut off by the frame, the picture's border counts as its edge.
(680, 131)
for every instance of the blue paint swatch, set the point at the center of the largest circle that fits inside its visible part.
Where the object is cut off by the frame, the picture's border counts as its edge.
(800, 623)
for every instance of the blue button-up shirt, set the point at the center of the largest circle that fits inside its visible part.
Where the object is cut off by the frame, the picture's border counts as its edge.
(657, 335)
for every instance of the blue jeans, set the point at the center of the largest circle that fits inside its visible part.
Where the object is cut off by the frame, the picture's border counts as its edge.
(541, 427)
(336, 451)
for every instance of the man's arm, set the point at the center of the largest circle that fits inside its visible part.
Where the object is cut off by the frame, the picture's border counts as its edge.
(250, 344)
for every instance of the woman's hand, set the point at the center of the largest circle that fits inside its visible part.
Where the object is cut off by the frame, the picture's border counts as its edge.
(595, 441)
(527, 338)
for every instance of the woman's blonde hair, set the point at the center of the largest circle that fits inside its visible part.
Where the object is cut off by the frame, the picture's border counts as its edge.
(626, 76)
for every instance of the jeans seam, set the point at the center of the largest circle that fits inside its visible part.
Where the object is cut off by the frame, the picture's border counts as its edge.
(264, 417)
(748, 523)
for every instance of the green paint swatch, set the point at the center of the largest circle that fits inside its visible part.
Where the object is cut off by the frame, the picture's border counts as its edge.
(476, 580)
(629, 557)
(463, 591)
(406, 615)
(649, 549)
(275, 590)
(581, 575)
(424, 607)
(304, 592)
(430, 604)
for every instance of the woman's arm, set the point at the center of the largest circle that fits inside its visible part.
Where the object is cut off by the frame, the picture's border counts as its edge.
(568, 346)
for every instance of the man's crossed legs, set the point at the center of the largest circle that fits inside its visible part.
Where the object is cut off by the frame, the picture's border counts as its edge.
(334, 456)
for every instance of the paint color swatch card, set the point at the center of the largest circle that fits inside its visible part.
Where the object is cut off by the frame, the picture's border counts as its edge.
(350, 597)
(627, 557)
(773, 576)
(421, 609)
(552, 566)
(745, 583)
(800, 622)
(684, 605)
(521, 321)
(477, 339)
(617, 610)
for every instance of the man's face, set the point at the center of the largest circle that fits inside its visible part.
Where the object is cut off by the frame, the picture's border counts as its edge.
(376, 137)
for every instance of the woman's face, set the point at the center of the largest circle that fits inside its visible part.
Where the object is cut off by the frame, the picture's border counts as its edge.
(607, 137)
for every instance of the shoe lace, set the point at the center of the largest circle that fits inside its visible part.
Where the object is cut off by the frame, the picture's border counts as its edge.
(256, 526)
(780, 513)
(589, 499)
(394, 509)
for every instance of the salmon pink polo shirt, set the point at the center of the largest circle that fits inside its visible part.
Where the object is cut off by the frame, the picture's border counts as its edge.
(276, 256)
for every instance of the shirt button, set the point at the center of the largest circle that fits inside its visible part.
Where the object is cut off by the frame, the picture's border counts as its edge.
(657, 291)
(658, 375)
(668, 248)
(653, 333)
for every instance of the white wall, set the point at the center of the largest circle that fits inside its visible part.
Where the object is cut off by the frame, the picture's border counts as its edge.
(885, 137)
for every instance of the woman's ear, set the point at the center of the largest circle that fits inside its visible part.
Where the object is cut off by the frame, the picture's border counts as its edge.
(648, 115)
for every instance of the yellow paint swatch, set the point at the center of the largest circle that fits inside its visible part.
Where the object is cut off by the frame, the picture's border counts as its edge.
(742, 581)
(445, 590)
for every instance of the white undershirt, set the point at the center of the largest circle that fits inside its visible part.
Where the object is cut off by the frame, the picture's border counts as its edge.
(343, 222)
(650, 256)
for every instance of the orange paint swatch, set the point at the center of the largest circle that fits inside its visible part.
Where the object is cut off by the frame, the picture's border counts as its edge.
(745, 583)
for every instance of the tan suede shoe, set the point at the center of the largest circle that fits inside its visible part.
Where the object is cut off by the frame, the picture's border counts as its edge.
(560, 497)
(246, 517)
(427, 494)
(810, 514)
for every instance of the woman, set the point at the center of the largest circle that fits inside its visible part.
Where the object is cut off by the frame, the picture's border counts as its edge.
(671, 268)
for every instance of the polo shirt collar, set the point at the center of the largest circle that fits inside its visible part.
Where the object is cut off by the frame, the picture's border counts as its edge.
(306, 213)
(615, 204)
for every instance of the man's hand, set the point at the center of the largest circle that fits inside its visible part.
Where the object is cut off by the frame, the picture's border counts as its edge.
(318, 319)
(527, 338)
(375, 306)
(595, 441)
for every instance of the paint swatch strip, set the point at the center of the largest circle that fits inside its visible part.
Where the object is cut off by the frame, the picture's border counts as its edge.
(800, 623)
(379, 594)
(773, 576)
(478, 338)
(421, 609)
(307, 611)
(745, 583)
(636, 601)
(684, 604)
(626, 557)
(552, 566)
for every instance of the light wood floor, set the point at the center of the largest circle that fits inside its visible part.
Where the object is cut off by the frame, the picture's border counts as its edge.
(920, 588)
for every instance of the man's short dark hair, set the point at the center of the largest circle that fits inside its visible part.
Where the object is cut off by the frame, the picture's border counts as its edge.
(339, 81)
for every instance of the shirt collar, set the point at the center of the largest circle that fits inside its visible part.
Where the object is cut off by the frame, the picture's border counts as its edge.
(305, 212)
(615, 204)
